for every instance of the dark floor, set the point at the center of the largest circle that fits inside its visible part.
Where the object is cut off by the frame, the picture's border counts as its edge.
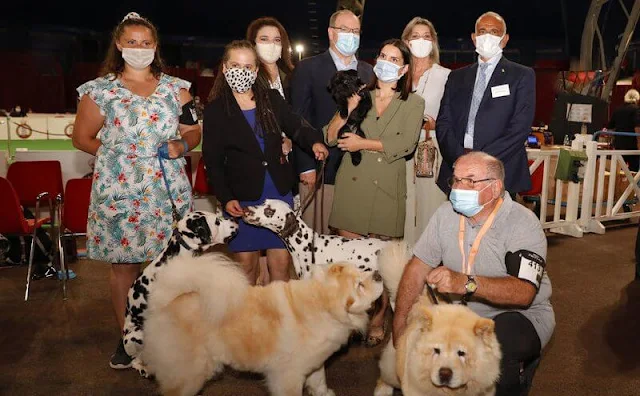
(50, 347)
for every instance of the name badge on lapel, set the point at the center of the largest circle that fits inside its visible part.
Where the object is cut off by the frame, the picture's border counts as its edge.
(500, 91)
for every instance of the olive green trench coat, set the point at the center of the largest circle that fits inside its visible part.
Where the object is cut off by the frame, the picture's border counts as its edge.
(370, 198)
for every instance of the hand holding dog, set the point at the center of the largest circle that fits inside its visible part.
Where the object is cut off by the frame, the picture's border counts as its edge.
(233, 208)
(447, 281)
(351, 142)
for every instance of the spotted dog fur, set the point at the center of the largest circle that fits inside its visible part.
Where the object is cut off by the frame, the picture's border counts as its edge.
(199, 231)
(297, 236)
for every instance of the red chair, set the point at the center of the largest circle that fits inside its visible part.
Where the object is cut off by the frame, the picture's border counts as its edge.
(14, 223)
(201, 186)
(30, 178)
(72, 218)
(188, 170)
(533, 195)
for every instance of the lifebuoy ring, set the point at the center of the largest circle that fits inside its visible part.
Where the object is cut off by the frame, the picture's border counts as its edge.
(24, 131)
(68, 130)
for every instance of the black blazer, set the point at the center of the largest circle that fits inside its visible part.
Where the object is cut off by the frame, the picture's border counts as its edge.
(502, 123)
(235, 164)
(311, 99)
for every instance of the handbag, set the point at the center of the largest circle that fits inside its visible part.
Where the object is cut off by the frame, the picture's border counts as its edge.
(426, 158)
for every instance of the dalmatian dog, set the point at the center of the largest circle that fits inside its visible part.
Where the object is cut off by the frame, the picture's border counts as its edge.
(280, 218)
(196, 232)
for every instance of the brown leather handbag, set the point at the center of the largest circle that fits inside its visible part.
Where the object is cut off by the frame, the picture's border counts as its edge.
(426, 157)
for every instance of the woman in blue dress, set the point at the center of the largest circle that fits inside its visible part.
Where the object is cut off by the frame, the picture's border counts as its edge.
(242, 148)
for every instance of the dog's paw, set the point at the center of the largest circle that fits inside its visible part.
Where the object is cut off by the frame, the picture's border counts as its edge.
(137, 365)
(383, 389)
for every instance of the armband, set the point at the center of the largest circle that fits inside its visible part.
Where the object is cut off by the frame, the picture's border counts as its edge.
(189, 115)
(525, 265)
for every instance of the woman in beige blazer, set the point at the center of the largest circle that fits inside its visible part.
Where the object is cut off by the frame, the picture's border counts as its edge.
(370, 198)
(429, 78)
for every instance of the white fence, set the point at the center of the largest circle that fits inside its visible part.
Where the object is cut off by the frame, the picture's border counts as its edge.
(576, 209)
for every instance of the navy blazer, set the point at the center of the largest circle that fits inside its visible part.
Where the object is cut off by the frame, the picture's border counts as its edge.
(236, 165)
(310, 97)
(502, 123)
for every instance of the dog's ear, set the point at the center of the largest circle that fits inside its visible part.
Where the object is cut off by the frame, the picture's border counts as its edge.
(484, 328)
(422, 316)
(199, 226)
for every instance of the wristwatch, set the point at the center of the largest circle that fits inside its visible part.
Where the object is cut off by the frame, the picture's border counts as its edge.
(470, 287)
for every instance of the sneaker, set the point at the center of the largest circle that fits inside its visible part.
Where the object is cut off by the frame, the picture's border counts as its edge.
(36, 275)
(120, 360)
(62, 275)
(50, 272)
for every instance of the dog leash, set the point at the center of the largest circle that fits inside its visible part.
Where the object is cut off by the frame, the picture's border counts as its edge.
(174, 211)
(318, 185)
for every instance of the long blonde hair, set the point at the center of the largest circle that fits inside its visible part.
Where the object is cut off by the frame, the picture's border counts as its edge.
(406, 35)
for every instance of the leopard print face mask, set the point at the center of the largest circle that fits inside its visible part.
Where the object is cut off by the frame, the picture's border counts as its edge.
(240, 80)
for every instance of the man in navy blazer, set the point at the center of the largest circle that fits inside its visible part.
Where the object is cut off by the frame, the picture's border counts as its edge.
(311, 98)
(488, 106)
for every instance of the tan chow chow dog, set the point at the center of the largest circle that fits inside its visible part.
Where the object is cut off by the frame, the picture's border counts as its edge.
(446, 349)
(204, 315)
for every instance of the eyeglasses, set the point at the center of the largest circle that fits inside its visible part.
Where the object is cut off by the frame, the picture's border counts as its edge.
(466, 181)
(344, 29)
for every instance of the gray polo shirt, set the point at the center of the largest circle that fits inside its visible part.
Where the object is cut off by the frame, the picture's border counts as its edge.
(514, 228)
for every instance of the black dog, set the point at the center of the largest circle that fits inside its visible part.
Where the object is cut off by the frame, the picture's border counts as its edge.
(344, 84)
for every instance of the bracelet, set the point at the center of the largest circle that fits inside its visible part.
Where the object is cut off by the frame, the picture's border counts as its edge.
(186, 146)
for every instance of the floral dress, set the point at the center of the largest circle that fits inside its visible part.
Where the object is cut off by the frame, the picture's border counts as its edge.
(130, 217)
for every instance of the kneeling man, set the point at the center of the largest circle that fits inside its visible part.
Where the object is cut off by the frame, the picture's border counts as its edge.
(493, 252)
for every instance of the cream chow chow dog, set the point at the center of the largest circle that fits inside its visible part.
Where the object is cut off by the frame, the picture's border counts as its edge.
(446, 349)
(205, 315)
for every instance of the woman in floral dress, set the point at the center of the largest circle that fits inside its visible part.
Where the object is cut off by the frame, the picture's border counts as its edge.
(123, 118)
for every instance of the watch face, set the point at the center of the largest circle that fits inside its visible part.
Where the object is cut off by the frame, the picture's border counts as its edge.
(471, 285)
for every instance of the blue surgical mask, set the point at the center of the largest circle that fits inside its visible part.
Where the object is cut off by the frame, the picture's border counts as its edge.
(387, 71)
(466, 202)
(347, 43)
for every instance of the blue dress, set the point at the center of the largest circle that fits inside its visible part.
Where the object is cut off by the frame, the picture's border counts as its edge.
(251, 238)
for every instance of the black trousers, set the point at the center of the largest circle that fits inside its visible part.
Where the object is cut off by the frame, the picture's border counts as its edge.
(638, 253)
(520, 343)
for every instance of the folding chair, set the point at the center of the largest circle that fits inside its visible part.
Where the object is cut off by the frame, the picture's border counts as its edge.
(14, 223)
(188, 170)
(72, 218)
(201, 186)
(533, 195)
(30, 178)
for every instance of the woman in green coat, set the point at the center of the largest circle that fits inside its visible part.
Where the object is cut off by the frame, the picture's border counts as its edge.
(370, 198)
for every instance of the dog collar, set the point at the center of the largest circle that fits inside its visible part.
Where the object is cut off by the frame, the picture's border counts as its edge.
(180, 240)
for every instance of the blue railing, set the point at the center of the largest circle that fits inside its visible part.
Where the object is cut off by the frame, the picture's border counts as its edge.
(614, 133)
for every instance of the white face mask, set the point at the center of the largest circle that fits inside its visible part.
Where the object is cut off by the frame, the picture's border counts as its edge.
(488, 45)
(421, 48)
(138, 58)
(269, 52)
